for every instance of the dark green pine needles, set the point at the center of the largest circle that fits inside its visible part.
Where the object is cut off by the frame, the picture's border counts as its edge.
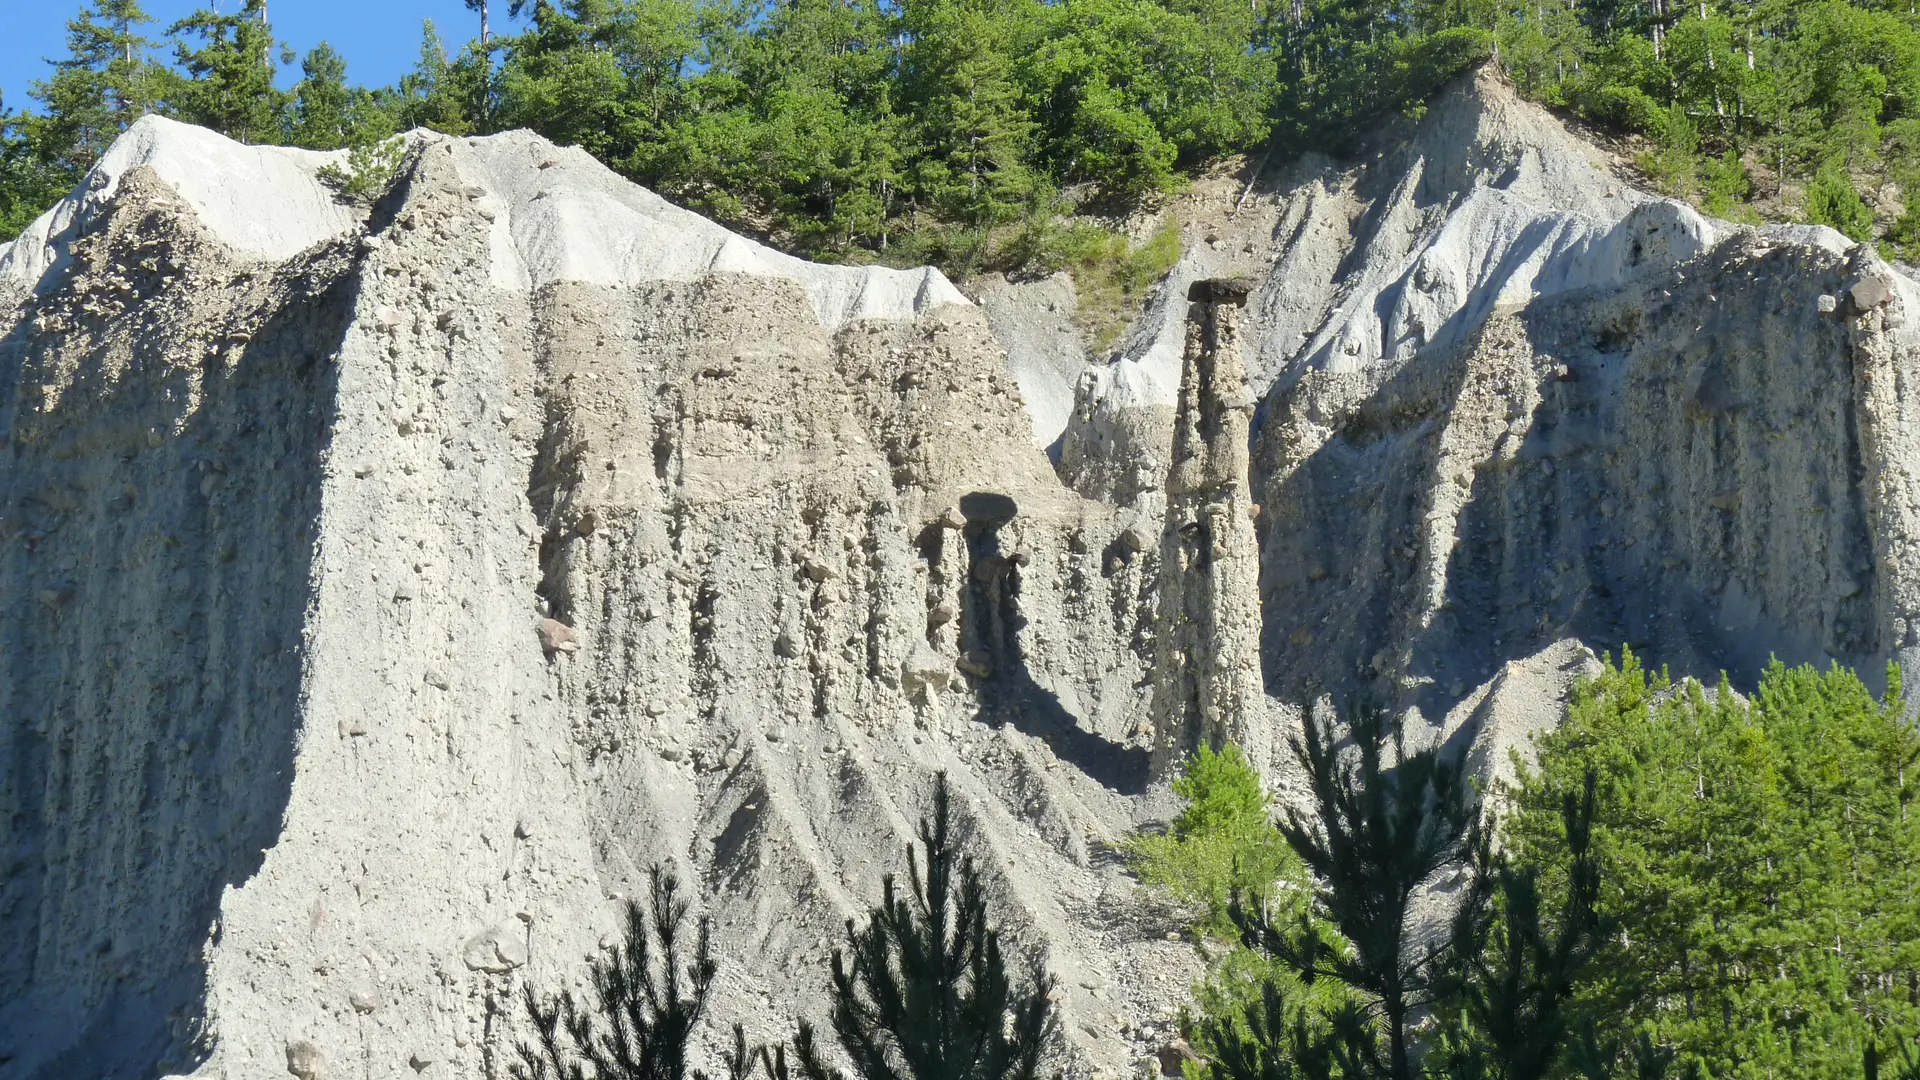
(1378, 830)
(643, 1014)
(923, 993)
(1690, 883)
(1519, 955)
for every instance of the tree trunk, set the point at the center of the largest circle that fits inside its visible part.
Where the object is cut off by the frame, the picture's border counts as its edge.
(1398, 1064)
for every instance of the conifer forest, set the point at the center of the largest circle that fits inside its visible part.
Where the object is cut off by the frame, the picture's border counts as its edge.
(972, 133)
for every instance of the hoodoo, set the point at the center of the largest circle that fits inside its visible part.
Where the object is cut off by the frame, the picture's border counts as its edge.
(1206, 676)
(390, 585)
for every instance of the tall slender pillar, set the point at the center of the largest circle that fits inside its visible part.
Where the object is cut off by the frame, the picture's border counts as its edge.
(1207, 680)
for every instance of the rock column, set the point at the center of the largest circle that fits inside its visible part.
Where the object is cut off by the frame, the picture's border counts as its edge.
(1207, 683)
(1886, 360)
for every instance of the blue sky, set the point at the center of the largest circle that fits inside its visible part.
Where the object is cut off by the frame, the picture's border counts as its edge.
(380, 38)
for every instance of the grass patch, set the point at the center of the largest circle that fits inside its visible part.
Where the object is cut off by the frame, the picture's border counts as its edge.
(1111, 275)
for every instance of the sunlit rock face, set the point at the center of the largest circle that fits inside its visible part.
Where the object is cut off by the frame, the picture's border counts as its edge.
(391, 585)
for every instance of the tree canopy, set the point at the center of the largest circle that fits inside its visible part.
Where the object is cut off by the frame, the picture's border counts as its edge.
(1759, 859)
(954, 130)
(842, 129)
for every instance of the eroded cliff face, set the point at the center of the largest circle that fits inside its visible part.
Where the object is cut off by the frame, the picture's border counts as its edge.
(1508, 406)
(393, 585)
(395, 604)
(1710, 467)
(168, 416)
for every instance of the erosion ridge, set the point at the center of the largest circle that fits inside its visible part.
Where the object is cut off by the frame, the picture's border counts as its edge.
(399, 582)
(399, 601)
(1507, 402)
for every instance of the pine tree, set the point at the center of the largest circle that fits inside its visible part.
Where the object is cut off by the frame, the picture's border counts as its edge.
(1517, 962)
(1130, 89)
(922, 992)
(438, 93)
(1274, 1039)
(229, 76)
(819, 86)
(1224, 840)
(1592, 1057)
(562, 81)
(1758, 859)
(28, 185)
(103, 85)
(486, 24)
(974, 136)
(1377, 832)
(322, 113)
(644, 1013)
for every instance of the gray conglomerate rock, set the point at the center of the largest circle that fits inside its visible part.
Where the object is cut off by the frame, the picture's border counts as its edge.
(390, 586)
(1506, 400)
(394, 602)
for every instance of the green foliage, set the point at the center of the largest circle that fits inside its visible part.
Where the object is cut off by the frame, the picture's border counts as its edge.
(1112, 276)
(852, 130)
(874, 130)
(1833, 200)
(322, 103)
(445, 96)
(1224, 795)
(28, 183)
(1344, 62)
(1725, 184)
(1672, 162)
(1343, 981)
(370, 169)
(1129, 88)
(1903, 239)
(1758, 861)
(923, 992)
(102, 85)
(1258, 1018)
(1222, 843)
(225, 81)
(564, 77)
(827, 130)
(643, 1013)
(1690, 885)
(325, 113)
(1273, 1036)
(1817, 92)
(1514, 966)
(1383, 820)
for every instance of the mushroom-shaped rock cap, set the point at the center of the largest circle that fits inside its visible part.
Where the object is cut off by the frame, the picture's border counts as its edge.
(1232, 290)
(988, 506)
